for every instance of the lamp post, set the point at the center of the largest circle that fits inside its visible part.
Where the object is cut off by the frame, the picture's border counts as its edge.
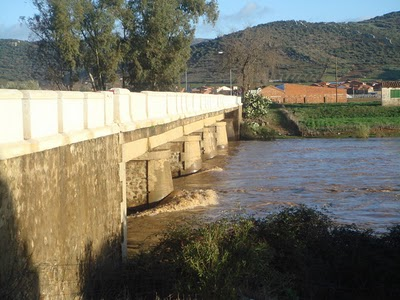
(186, 82)
(336, 81)
(230, 80)
(230, 75)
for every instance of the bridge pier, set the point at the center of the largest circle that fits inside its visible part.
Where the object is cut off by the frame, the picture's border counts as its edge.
(209, 142)
(148, 179)
(221, 135)
(186, 155)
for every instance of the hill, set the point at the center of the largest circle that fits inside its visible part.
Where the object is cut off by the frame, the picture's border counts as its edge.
(308, 51)
(18, 68)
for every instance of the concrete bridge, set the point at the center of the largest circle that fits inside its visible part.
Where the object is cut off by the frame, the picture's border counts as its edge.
(73, 163)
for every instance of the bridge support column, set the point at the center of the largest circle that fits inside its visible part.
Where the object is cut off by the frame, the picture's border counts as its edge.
(148, 179)
(186, 155)
(230, 130)
(222, 137)
(209, 142)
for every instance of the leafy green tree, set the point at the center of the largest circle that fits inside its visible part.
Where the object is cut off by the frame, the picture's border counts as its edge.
(100, 45)
(159, 34)
(75, 35)
(58, 46)
(152, 36)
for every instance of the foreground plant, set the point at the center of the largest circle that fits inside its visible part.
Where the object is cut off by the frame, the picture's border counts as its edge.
(296, 253)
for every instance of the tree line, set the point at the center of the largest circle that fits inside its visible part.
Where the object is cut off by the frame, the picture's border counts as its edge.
(146, 43)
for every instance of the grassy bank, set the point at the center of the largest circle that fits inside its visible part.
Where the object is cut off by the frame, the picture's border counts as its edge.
(297, 253)
(355, 119)
(348, 119)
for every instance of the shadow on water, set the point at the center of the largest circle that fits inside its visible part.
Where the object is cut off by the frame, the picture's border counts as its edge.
(18, 277)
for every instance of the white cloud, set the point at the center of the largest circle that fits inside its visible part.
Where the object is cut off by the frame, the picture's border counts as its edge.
(16, 31)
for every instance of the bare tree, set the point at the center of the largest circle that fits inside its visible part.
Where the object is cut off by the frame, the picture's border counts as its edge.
(252, 56)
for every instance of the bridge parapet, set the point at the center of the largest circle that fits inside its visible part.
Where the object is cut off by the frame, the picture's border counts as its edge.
(32, 121)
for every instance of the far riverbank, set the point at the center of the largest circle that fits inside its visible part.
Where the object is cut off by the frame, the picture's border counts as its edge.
(337, 120)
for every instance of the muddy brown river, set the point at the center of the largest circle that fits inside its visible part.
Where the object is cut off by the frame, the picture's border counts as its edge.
(353, 180)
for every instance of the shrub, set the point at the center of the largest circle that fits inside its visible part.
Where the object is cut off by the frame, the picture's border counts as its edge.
(362, 131)
(255, 106)
(221, 260)
(254, 131)
(296, 253)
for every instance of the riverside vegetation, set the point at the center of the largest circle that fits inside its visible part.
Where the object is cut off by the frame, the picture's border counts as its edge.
(297, 253)
(355, 119)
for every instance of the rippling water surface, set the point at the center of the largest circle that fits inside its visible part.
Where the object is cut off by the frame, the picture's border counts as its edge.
(355, 180)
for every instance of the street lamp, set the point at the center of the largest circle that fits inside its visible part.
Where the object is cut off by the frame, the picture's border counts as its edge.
(230, 74)
(336, 81)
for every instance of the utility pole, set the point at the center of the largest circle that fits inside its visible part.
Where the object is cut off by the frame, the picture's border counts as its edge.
(230, 80)
(336, 81)
(230, 74)
(186, 83)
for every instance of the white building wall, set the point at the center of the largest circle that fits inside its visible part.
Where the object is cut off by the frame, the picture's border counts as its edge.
(387, 100)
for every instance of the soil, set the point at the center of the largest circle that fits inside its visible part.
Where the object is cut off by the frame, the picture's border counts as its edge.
(281, 121)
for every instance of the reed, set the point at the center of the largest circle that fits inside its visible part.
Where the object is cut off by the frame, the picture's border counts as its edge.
(362, 131)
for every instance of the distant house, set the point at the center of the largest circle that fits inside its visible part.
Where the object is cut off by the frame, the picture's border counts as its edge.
(297, 93)
(355, 83)
(321, 84)
(377, 86)
(224, 90)
(202, 90)
(355, 87)
(391, 93)
(275, 94)
(361, 89)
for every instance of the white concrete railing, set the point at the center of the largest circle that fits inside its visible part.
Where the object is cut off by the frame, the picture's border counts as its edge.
(32, 121)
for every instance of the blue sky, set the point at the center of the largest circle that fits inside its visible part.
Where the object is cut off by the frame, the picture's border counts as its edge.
(235, 14)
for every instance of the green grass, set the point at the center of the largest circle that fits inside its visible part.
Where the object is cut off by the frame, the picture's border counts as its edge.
(346, 118)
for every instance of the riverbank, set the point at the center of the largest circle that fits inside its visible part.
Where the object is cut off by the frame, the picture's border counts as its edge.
(338, 120)
(297, 253)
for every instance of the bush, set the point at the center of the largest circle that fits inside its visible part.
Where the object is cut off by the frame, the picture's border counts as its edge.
(255, 106)
(254, 131)
(362, 131)
(297, 253)
(221, 260)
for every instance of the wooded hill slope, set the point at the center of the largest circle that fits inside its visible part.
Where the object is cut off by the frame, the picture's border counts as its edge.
(307, 52)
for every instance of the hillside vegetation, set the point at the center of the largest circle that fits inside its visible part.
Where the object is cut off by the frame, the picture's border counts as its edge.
(17, 67)
(308, 52)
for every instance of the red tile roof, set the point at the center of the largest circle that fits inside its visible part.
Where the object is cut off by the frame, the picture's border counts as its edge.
(391, 84)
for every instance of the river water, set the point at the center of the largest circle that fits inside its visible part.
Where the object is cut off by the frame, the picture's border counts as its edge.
(353, 180)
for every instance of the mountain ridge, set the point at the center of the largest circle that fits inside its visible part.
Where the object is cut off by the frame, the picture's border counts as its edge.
(309, 51)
